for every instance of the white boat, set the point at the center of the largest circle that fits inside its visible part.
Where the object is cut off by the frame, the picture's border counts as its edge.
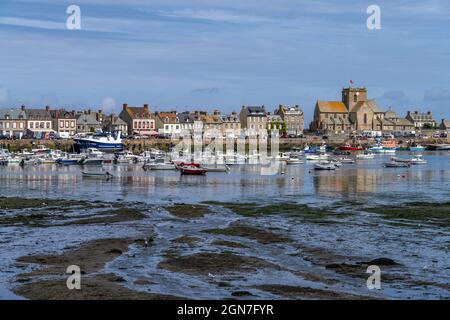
(395, 164)
(45, 160)
(224, 168)
(294, 161)
(93, 157)
(13, 160)
(345, 160)
(324, 166)
(97, 174)
(317, 157)
(396, 159)
(365, 156)
(418, 160)
(40, 149)
(159, 166)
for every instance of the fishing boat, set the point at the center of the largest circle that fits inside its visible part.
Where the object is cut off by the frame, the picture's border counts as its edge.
(348, 147)
(395, 164)
(416, 148)
(102, 141)
(192, 170)
(324, 166)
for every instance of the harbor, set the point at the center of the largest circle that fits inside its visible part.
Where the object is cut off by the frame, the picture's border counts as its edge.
(297, 232)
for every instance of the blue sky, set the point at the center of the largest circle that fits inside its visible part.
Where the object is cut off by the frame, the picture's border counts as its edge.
(208, 54)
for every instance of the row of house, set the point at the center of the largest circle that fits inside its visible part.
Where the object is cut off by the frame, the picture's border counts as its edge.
(356, 112)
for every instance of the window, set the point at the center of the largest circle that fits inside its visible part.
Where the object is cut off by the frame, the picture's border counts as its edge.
(72, 124)
(61, 124)
(21, 125)
(48, 125)
(355, 98)
(7, 125)
(14, 125)
(31, 125)
(41, 125)
(365, 118)
(67, 124)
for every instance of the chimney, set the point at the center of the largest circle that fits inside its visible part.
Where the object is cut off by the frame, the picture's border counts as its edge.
(216, 112)
(429, 112)
(47, 108)
(125, 106)
(22, 107)
(145, 107)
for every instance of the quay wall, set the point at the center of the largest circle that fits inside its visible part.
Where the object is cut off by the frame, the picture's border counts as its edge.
(140, 145)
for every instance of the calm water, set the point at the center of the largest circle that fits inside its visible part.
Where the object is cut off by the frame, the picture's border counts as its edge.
(424, 249)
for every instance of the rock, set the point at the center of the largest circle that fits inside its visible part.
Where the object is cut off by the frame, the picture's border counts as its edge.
(382, 262)
(115, 251)
(241, 293)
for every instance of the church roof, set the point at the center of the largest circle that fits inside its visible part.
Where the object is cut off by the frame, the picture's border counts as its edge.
(331, 106)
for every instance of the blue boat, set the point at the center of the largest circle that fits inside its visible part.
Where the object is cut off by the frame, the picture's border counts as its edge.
(106, 142)
(67, 162)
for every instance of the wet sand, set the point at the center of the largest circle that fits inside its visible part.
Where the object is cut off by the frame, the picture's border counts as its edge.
(241, 258)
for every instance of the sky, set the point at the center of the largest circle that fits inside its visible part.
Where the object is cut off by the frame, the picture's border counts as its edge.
(209, 54)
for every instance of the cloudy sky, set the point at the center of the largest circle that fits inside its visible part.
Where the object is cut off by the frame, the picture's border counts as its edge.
(177, 54)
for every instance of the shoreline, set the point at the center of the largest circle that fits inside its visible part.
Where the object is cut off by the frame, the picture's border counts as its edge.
(225, 257)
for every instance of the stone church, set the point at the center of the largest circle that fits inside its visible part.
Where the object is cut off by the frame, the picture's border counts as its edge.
(356, 112)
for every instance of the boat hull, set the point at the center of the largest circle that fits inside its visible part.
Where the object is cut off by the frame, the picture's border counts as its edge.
(84, 144)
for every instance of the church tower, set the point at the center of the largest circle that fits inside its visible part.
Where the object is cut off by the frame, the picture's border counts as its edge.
(351, 96)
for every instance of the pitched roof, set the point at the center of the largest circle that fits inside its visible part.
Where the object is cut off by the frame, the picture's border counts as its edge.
(138, 112)
(12, 114)
(374, 106)
(168, 117)
(87, 119)
(38, 114)
(331, 106)
(391, 114)
(256, 111)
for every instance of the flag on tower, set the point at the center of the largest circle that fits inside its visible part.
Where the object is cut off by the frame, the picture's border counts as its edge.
(351, 81)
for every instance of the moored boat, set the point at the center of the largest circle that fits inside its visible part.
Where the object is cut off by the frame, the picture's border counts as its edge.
(324, 166)
(192, 170)
(348, 147)
(395, 164)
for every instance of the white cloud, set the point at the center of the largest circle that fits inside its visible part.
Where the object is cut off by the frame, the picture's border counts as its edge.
(214, 15)
(108, 104)
(32, 23)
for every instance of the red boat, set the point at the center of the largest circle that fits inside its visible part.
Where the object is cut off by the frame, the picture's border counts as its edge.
(348, 147)
(192, 170)
(187, 164)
